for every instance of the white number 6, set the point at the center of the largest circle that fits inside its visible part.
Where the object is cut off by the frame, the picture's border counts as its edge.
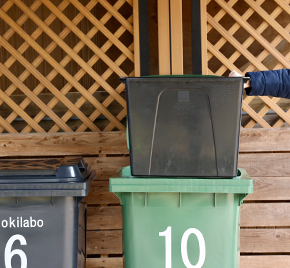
(8, 254)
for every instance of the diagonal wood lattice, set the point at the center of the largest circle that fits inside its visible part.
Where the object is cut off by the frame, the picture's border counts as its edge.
(246, 35)
(60, 61)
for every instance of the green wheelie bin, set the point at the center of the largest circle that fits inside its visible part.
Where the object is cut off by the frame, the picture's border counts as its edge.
(181, 222)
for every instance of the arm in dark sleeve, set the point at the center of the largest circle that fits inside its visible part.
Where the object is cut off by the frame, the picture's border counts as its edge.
(274, 83)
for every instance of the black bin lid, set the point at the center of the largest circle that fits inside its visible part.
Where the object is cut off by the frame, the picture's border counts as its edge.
(67, 169)
(68, 176)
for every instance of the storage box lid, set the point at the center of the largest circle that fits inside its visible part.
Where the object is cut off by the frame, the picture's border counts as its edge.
(124, 182)
(123, 79)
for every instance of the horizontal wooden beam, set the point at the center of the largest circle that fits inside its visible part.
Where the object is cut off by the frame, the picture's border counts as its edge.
(265, 140)
(252, 215)
(252, 241)
(265, 215)
(273, 261)
(104, 242)
(270, 189)
(53, 144)
(104, 218)
(106, 263)
(265, 241)
(266, 164)
(105, 167)
(92, 143)
(99, 194)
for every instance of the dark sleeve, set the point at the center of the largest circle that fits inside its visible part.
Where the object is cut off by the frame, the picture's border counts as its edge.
(274, 83)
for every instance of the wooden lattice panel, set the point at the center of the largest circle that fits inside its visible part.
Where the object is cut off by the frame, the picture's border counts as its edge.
(60, 62)
(247, 35)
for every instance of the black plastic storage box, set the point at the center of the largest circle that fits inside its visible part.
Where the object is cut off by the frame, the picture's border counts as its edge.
(42, 218)
(184, 125)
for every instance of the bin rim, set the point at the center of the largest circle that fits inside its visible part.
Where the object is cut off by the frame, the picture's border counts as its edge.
(53, 189)
(186, 76)
(124, 182)
(46, 170)
(68, 176)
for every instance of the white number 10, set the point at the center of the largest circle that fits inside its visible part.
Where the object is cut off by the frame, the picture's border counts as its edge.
(184, 252)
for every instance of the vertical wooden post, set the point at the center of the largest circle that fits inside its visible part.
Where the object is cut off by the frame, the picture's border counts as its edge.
(136, 37)
(203, 24)
(163, 37)
(176, 36)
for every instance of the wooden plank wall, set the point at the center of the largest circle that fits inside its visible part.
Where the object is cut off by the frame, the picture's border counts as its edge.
(265, 215)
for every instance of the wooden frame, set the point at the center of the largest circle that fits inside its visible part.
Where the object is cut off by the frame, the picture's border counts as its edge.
(45, 53)
(257, 40)
(264, 214)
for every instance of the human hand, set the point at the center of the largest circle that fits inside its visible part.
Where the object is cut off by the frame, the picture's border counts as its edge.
(236, 74)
